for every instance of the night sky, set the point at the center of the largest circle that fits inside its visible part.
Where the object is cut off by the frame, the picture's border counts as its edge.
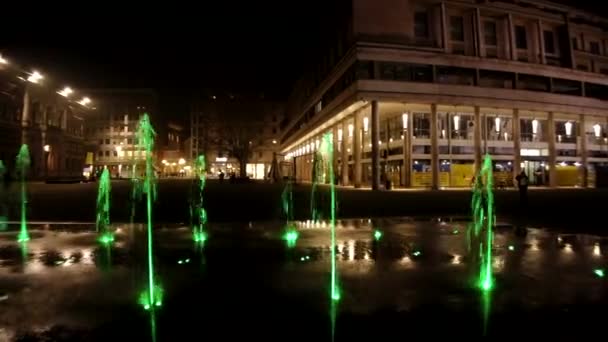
(237, 46)
(226, 46)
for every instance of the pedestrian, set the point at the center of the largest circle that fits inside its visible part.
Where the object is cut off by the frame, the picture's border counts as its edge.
(221, 176)
(522, 184)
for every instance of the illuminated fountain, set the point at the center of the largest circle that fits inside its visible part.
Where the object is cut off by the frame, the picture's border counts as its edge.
(323, 172)
(480, 235)
(152, 296)
(291, 234)
(483, 216)
(103, 209)
(198, 230)
(23, 164)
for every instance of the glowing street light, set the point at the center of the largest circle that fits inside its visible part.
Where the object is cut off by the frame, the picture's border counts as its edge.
(35, 77)
(46, 148)
(3, 60)
(456, 122)
(597, 130)
(568, 126)
(65, 92)
(85, 101)
(164, 162)
(181, 161)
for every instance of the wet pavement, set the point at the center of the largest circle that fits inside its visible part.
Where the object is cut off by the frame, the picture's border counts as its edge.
(416, 279)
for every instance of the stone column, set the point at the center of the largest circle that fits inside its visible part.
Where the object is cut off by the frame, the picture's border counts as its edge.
(477, 32)
(570, 48)
(541, 42)
(344, 153)
(477, 139)
(444, 28)
(375, 123)
(407, 152)
(511, 37)
(552, 151)
(336, 152)
(583, 150)
(357, 149)
(516, 143)
(434, 148)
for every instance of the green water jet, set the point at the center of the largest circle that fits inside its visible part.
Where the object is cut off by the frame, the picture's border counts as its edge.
(480, 239)
(102, 221)
(291, 234)
(23, 164)
(152, 296)
(323, 172)
(199, 234)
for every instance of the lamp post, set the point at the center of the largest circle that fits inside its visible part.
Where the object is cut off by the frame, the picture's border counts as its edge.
(47, 150)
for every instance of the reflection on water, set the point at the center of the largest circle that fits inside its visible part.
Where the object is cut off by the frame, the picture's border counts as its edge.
(402, 243)
(414, 263)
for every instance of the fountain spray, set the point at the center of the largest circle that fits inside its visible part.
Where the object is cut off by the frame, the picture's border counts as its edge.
(291, 234)
(152, 297)
(103, 209)
(199, 234)
(480, 240)
(23, 164)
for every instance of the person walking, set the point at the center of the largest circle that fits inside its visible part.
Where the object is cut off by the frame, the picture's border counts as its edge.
(522, 184)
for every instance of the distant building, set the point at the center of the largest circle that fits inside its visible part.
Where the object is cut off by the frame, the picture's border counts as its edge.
(236, 133)
(112, 125)
(417, 91)
(50, 124)
(174, 160)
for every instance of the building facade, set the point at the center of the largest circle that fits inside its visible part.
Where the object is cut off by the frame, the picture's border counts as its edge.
(418, 91)
(173, 156)
(50, 124)
(112, 126)
(236, 133)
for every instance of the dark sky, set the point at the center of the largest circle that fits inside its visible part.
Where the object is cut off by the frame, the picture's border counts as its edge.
(176, 48)
(234, 45)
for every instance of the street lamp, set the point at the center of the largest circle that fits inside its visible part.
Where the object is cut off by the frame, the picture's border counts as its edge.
(35, 77)
(597, 130)
(85, 101)
(47, 150)
(65, 92)
(181, 161)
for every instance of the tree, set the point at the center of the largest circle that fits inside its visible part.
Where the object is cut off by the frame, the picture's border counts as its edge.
(239, 141)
